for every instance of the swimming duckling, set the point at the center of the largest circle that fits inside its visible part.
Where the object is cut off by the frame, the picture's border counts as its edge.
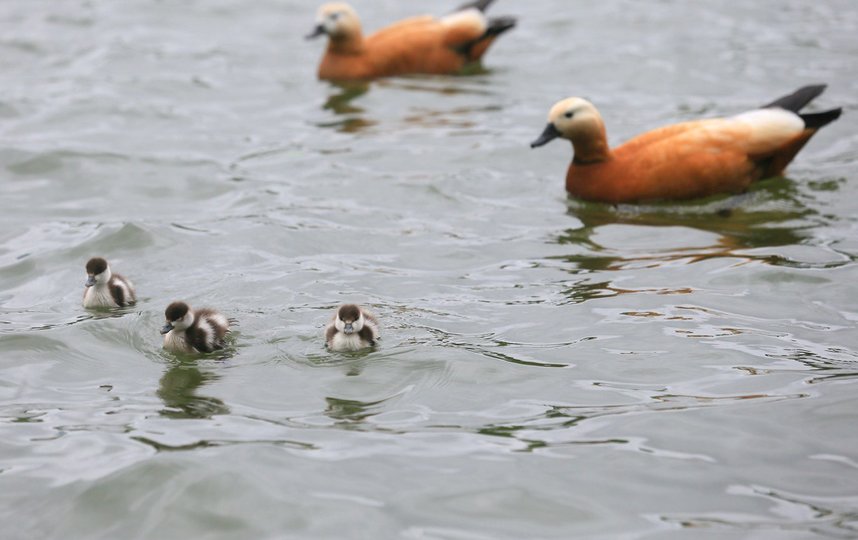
(352, 328)
(104, 288)
(189, 331)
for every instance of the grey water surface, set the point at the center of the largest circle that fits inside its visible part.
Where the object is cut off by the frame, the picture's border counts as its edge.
(549, 369)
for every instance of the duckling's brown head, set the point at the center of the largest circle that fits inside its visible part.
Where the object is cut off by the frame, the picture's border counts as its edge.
(97, 272)
(178, 316)
(349, 319)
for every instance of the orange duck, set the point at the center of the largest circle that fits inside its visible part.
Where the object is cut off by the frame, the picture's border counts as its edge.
(687, 160)
(416, 45)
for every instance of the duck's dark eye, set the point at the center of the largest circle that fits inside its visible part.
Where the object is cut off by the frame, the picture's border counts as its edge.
(570, 114)
(335, 16)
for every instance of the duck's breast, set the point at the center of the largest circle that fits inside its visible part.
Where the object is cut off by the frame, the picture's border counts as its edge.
(95, 297)
(175, 341)
(347, 342)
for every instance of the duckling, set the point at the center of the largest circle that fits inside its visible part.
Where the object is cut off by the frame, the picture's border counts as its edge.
(686, 160)
(352, 328)
(189, 331)
(104, 288)
(415, 45)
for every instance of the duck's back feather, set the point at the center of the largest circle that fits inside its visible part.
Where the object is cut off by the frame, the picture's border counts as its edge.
(208, 331)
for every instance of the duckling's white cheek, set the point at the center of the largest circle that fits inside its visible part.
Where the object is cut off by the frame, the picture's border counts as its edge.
(104, 277)
(339, 324)
(185, 322)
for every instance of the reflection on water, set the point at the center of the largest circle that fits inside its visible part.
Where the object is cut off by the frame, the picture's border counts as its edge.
(824, 515)
(348, 412)
(586, 290)
(744, 221)
(459, 117)
(752, 220)
(178, 390)
(744, 227)
(353, 119)
(449, 86)
(340, 102)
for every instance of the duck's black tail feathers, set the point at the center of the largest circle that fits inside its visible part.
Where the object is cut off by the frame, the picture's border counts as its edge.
(474, 50)
(817, 120)
(499, 25)
(798, 99)
(482, 5)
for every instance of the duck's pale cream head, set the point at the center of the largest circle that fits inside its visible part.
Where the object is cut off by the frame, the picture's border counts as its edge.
(338, 20)
(574, 119)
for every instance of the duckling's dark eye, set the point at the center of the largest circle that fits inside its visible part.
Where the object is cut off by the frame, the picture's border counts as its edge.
(335, 16)
(570, 114)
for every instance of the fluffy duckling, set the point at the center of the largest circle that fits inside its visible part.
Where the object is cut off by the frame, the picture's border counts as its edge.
(352, 328)
(189, 331)
(104, 288)
(415, 45)
(686, 160)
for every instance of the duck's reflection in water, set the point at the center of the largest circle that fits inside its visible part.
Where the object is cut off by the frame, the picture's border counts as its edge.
(178, 390)
(351, 118)
(350, 413)
(738, 227)
(771, 218)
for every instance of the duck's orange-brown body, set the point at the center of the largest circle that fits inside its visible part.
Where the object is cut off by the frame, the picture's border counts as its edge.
(419, 45)
(416, 45)
(683, 161)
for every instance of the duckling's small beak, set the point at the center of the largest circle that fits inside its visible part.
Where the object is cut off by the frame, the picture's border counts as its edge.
(348, 328)
(547, 136)
(90, 281)
(318, 31)
(167, 328)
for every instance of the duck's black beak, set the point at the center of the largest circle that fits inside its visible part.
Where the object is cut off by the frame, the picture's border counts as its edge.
(90, 281)
(348, 328)
(318, 31)
(167, 328)
(547, 136)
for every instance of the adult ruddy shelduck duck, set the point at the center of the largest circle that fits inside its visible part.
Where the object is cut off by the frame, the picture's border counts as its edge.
(416, 45)
(687, 160)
